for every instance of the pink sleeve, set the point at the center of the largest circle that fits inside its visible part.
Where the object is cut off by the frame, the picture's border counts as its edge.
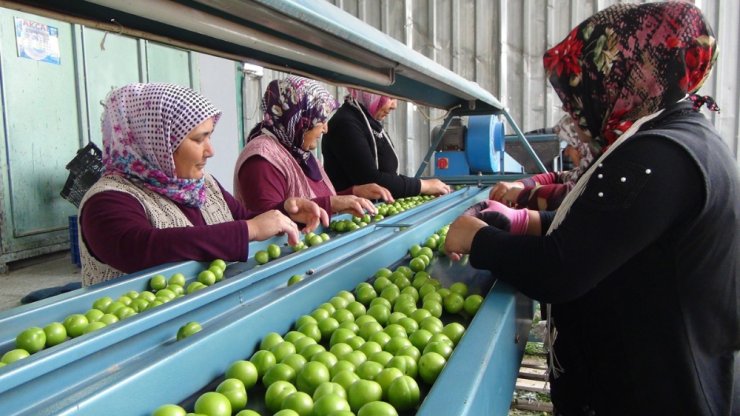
(118, 233)
(546, 178)
(542, 197)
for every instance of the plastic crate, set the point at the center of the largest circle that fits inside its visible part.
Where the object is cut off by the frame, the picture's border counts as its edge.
(84, 170)
(74, 245)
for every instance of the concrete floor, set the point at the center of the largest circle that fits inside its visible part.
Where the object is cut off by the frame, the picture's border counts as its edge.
(41, 272)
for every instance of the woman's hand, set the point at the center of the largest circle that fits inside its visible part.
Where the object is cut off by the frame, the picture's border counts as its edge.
(306, 212)
(516, 221)
(272, 223)
(352, 204)
(506, 192)
(372, 191)
(434, 187)
(460, 236)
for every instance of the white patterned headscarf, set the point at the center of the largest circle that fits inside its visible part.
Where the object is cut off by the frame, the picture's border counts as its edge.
(143, 125)
(566, 131)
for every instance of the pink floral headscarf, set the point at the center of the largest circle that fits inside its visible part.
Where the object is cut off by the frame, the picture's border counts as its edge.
(143, 124)
(371, 102)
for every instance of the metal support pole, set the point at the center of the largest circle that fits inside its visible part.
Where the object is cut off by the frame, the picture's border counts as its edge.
(433, 145)
(524, 142)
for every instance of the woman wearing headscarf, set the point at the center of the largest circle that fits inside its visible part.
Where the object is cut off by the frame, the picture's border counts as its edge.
(357, 148)
(546, 191)
(155, 202)
(640, 261)
(278, 155)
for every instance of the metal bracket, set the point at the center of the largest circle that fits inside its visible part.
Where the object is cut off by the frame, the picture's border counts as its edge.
(434, 144)
(525, 143)
(393, 225)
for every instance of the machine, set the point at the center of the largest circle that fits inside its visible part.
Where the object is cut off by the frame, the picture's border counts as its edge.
(476, 149)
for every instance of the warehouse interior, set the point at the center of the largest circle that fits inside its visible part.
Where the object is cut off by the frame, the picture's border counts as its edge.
(446, 61)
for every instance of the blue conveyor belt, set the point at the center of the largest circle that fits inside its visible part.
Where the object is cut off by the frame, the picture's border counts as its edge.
(479, 378)
(87, 361)
(56, 308)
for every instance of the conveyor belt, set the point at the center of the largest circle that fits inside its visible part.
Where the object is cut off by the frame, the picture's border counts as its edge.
(174, 370)
(109, 356)
(43, 312)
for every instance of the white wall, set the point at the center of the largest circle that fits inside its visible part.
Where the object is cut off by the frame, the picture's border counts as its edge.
(499, 44)
(218, 84)
(496, 43)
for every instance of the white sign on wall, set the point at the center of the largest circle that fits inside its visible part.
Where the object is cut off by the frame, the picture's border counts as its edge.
(37, 41)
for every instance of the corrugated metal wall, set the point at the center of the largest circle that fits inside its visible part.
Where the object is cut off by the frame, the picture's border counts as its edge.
(499, 44)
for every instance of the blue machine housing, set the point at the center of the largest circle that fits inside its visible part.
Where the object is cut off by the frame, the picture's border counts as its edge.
(451, 163)
(484, 151)
(484, 143)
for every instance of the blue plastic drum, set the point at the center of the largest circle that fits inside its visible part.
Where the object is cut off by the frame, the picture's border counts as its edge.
(484, 143)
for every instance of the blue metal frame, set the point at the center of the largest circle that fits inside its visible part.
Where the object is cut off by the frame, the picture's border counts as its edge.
(434, 144)
(482, 180)
(305, 25)
(480, 376)
(525, 143)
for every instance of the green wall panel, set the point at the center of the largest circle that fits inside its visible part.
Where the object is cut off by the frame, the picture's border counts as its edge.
(114, 64)
(168, 64)
(50, 111)
(42, 131)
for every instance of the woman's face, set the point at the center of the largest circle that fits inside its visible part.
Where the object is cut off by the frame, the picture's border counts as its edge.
(190, 157)
(386, 109)
(573, 154)
(583, 134)
(311, 137)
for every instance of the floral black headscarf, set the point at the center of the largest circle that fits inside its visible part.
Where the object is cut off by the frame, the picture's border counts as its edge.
(291, 107)
(628, 61)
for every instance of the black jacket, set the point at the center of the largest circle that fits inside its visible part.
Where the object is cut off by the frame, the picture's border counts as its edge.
(349, 155)
(643, 275)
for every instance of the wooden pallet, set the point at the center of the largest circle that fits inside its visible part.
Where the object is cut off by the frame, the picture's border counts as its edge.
(534, 362)
(533, 373)
(539, 386)
(532, 377)
(535, 406)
